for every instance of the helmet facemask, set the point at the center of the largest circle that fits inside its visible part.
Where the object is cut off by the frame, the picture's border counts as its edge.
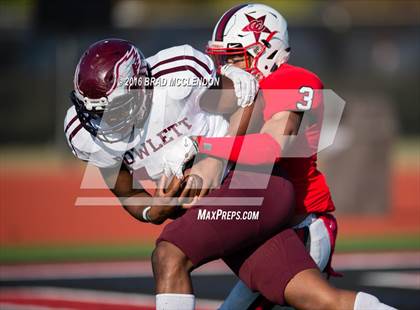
(115, 120)
(250, 54)
(222, 56)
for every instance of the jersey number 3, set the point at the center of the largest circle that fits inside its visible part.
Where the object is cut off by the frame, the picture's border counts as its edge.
(308, 96)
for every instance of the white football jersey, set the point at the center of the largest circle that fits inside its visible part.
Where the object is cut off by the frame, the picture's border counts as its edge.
(175, 112)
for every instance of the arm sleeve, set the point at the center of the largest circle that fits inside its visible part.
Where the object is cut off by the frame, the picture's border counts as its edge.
(253, 149)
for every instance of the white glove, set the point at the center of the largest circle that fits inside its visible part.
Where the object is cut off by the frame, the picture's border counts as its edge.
(245, 84)
(177, 154)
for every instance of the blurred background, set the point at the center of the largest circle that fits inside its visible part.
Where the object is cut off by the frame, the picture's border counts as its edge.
(368, 52)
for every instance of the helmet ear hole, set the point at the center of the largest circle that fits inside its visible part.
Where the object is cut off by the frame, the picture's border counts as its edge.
(271, 56)
(109, 77)
(274, 68)
(266, 43)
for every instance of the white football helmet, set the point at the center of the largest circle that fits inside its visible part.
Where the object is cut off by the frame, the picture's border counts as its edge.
(255, 30)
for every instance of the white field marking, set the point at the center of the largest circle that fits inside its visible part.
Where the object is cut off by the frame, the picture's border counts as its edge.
(93, 296)
(76, 270)
(385, 260)
(10, 306)
(94, 270)
(130, 269)
(403, 280)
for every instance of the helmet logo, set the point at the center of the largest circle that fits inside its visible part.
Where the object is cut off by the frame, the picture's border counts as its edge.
(127, 66)
(256, 25)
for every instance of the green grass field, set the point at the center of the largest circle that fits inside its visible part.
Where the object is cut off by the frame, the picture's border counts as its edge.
(140, 252)
(74, 253)
(373, 244)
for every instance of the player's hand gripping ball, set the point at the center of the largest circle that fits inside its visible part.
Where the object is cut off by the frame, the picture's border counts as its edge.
(190, 187)
(187, 188)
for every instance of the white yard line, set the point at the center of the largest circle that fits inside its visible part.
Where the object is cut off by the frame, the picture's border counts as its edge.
(365, 261)
(93, 270)
(76, 270)
(92, 296)
(10, 306)
(386, 260)
(402, 280)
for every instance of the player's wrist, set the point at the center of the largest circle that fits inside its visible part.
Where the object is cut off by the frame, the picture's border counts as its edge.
(154, 215)
(194, 141)
(159, 214)
(215, 161)
(145, 214)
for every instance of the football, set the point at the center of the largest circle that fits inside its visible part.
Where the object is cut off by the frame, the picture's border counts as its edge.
(195, 188)
(189, 195)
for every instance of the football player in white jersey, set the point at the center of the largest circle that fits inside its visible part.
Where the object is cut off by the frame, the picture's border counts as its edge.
(127, 110)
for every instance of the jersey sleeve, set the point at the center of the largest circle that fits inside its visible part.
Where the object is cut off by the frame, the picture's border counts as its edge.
(296, 91)
(183, 70)
(83, 145)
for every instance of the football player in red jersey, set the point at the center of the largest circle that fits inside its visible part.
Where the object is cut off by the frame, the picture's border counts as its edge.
(254, 38)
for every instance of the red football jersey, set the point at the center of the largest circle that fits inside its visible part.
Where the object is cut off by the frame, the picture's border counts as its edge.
(291, 88)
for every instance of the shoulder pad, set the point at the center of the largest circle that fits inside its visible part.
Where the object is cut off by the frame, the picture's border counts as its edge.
(182, 61)
(83, 144)
(292, 77)
(77, 137)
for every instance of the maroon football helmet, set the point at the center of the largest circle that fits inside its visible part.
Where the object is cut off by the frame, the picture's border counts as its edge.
(109, 93)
